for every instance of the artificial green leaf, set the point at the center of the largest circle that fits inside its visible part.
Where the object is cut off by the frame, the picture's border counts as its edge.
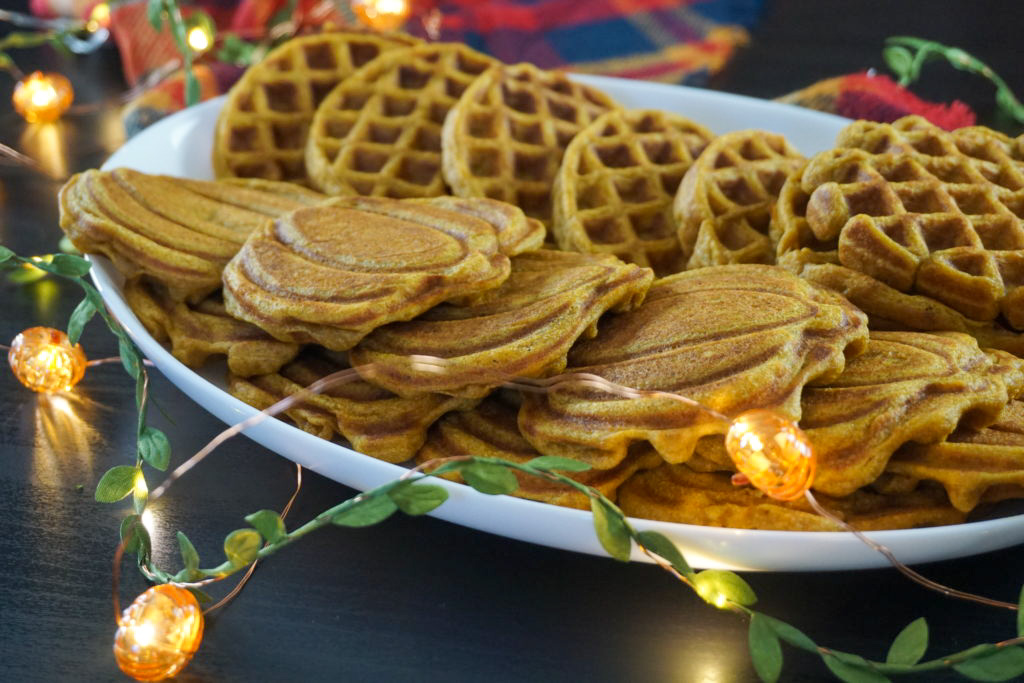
(910, 645)
(489, 478)
(765, 650)
(366, 512)
(718, 586)
(418, 499)
(234, 50)
(25, 275)
(69, 265)
(201, 596)
(129, 532)
(66, 246)
(553, 463)
(191, 88)
(129, 357)
(269, 524)
(189, 556)
(1001, 664)
(611, 530)
(242, 545)
(82, 314)
(1010, 104)
(155, 448)
(155, 13)
(116, 483)
(847, 668)
(791, 634)
(5, 254)
(658, 543)
(7, 64)
(899, 60)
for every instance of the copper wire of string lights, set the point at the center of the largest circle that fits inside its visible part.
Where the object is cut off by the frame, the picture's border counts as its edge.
(770, 451)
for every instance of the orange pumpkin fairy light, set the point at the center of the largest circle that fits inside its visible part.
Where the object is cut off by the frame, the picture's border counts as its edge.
(382, 15)
(772, 453)
(158, 633)
(42, 97)
(44, 360)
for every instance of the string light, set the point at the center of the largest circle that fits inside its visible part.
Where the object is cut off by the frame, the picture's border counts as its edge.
(42, 97)
(158, 633)
(382, 15)
(44, 360)
(199, 32)
(771, 453)
(99, 17)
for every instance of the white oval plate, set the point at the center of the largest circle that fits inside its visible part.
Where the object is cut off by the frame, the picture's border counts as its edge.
(180, 145)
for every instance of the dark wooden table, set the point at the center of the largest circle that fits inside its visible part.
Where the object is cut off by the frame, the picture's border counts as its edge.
(413, 599)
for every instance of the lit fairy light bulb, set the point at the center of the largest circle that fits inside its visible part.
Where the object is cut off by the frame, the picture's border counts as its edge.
(158, 633)
(772, 453)
(44, 360)
(199, 39)
(99, 17)
(42, 97)
(382, 15)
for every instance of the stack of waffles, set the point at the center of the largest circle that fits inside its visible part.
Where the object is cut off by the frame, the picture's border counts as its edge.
(381, 201)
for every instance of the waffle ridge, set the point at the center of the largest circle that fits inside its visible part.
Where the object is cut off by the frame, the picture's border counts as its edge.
(506, 136)
(262, 129)
(379, 132)
(617, 182)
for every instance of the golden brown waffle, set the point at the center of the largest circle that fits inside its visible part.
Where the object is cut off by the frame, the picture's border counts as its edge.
(198, 331)
(614, 190)
(675, 493)
(731, 337)
(379, 132)
(490, 431)
(506, 136)
(515, 232)
(907, 386)
(974, 466)
(524, 329)
(178, 232)
(331, 274)
(921, 210)
(724, 204)
(262, 129)
(373, 420)
(890, 309)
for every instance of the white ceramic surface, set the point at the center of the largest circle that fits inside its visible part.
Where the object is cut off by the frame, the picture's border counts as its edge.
(180, 145)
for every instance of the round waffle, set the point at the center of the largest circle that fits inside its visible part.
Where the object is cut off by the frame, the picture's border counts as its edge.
(524, 329)
(379, 132)
(331, 274)
(198, 331)
(724, 204)
(730, 337)
(261, 131)
(178, 232)
(506, 136)
(919, 209)
(614, 190)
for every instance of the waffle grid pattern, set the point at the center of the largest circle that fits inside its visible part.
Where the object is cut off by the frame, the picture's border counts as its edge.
(724, 204)
(506, 137)
(618, 179)
(919, 209)
(262, 130)
(379, 132)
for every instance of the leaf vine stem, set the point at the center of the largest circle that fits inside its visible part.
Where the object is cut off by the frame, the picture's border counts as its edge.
(169, 11)
(906, 55)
